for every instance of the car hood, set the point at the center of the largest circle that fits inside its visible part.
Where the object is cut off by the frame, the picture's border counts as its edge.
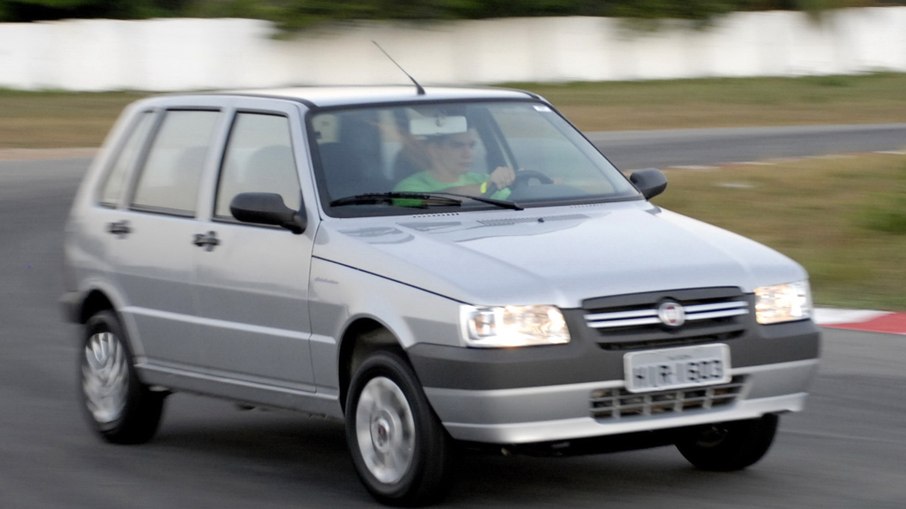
(555, 256)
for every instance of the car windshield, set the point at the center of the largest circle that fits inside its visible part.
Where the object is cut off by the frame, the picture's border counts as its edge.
(387, 160)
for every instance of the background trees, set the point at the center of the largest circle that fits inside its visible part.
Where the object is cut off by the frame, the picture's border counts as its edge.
(296, 14)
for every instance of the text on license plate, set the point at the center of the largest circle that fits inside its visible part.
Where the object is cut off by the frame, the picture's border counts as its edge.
(674, 368)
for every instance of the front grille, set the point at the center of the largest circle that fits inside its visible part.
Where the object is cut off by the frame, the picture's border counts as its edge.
(649, 316)
(619, 403)
(632, 321)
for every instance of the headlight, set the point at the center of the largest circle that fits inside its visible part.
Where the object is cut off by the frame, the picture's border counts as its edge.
(783, 303)
(509, 326)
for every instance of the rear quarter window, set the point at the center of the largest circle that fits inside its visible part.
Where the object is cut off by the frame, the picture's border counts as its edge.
(114, 182)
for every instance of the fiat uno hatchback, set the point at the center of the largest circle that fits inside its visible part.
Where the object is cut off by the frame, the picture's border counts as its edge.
(440, 269)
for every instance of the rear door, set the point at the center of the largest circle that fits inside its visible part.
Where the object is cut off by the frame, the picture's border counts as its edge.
(152, 238)
(252, 280)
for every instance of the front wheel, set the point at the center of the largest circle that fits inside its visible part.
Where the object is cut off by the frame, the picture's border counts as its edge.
(119, 406)
(728, 446)
(400, 450)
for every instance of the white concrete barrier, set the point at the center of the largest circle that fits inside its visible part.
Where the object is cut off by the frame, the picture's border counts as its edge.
(185, 54)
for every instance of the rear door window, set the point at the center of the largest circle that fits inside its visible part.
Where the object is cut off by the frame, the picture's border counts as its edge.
(171, 176)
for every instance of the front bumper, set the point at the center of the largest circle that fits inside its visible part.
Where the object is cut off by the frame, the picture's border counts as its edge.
(543, 394)
(529, 415)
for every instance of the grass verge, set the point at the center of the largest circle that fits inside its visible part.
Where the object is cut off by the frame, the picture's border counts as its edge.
(842, 218)
(62, 119)
(58, 119)
(734, 102)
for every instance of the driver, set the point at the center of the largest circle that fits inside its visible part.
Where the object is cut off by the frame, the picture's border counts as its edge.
(449, 159)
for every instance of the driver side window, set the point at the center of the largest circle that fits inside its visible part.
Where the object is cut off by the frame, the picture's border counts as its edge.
(259, 158)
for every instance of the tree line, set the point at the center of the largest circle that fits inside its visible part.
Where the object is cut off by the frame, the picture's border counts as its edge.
(299, 14)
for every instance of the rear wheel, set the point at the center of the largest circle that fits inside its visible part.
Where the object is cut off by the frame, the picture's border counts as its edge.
(119, 406)
(400, 450)
(729, 446)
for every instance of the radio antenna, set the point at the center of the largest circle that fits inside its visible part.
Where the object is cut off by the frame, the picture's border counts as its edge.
(418, 88)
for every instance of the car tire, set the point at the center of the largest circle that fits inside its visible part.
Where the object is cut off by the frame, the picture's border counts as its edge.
(119, 407)
(401, 452)
(729, 446)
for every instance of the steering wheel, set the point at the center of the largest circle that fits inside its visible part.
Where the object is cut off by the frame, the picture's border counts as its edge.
(523, 177)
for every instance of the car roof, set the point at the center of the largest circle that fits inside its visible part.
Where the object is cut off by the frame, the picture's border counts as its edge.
(348, 95)
(329, 96)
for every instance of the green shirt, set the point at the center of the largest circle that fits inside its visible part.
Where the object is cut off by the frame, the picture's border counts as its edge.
(424, 182)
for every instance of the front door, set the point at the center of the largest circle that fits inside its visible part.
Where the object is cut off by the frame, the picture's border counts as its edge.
(252, 280)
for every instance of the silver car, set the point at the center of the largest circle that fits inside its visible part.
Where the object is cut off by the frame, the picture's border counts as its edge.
(440, 268)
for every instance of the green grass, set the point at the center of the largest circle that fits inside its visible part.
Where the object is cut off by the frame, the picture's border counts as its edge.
(58, 119)
(668, 104)
(843, 219)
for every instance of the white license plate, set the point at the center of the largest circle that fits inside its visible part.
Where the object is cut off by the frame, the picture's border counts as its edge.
(676, 368)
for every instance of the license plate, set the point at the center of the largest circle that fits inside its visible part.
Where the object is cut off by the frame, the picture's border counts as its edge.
(676, 368)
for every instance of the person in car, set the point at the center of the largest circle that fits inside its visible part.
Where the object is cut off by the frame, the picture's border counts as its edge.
(449, 158)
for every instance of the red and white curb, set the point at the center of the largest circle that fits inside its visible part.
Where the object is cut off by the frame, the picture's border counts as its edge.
(885, 322)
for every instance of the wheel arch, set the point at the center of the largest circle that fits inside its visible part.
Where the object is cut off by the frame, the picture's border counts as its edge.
(362, 337)
(94, 302)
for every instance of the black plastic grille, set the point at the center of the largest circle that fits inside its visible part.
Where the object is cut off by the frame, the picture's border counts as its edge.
(619, 403)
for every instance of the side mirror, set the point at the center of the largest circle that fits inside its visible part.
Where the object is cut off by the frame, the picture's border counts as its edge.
(267, 208)
(650, 182)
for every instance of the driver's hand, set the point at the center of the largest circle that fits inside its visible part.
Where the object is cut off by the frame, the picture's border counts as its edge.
(502, 176)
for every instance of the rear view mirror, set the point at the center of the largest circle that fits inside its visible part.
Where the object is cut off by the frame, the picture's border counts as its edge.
(267, 208)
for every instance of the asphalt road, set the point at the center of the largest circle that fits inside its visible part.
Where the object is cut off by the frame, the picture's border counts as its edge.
(845, 451)
(631, 150)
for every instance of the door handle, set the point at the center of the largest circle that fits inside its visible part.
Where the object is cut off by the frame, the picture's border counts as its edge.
(206, 240)
(119, 228)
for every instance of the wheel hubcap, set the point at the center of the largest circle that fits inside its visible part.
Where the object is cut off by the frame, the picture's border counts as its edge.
(385, 430)
(105, 377)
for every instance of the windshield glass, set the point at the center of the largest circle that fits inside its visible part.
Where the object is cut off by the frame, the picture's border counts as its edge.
(517, 152)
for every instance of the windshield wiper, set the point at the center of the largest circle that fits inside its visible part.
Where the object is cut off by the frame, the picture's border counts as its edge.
(419, 200)
(504, 204)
